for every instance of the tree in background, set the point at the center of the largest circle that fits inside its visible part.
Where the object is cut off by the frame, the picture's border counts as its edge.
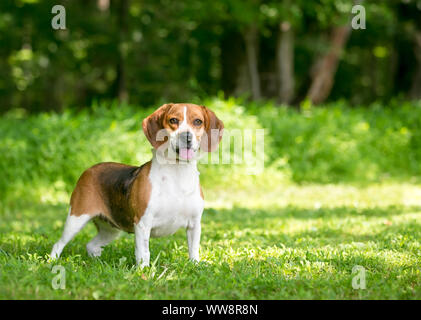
(287, 16)
(336, 13)
(122, 18)
(153, 51)
(247, 19)
(410, 14)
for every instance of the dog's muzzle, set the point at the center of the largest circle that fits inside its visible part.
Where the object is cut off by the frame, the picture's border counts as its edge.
(184, 147)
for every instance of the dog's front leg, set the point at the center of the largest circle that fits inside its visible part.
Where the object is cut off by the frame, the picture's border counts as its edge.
(142, 234)
(193, 239)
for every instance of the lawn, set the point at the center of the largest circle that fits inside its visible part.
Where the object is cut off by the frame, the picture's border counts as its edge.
(302, 245)
(295, 231)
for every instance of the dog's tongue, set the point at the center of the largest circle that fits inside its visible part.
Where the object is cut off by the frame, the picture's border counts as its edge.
(186, 153)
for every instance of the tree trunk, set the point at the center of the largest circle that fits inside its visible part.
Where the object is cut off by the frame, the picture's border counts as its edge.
(326, 66)
(285, 63)
(231, 59)
(415, 92)
(123, 95)
(251, 42)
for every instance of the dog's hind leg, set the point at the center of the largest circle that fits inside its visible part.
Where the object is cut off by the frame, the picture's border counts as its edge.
(73, 225)
(106, 234)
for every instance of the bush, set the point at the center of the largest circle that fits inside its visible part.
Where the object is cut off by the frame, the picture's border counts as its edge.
(334, 143)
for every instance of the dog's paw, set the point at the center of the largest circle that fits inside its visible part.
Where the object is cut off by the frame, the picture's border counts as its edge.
(142, 265)
(195, 260)
(94, 251)
(55, 252)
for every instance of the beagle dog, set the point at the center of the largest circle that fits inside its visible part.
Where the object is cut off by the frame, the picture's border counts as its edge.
(155, 199)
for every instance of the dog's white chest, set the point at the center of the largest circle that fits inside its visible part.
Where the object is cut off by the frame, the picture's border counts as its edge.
(175, 198)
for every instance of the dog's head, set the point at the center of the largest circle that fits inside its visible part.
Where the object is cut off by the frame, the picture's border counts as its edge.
(183, 128)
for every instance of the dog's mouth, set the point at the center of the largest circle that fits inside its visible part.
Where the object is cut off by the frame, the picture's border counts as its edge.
(185, 153)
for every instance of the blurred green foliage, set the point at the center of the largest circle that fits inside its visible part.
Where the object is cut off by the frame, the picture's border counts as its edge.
(333, 143)
(336, 143)
(175, 50)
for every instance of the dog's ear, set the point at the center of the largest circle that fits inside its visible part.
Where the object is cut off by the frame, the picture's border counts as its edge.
(214, 129)
(154, 123)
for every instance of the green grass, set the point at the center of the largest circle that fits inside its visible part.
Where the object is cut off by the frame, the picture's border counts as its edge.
(302, 244)
(341, 188)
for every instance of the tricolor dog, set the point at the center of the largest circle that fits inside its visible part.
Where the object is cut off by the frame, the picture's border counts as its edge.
(155, 199)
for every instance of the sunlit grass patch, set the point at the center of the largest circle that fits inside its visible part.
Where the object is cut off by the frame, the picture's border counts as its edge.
(272, 250)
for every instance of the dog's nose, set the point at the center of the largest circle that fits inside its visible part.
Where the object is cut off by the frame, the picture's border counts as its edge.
(187, 138)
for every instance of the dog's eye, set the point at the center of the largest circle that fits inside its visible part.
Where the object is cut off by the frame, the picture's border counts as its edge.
(197, 122)
(173, 120)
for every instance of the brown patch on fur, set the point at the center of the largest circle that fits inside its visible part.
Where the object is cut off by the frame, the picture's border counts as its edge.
(214, 129)
(118, 193)
(154, 123)
(142, 189)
